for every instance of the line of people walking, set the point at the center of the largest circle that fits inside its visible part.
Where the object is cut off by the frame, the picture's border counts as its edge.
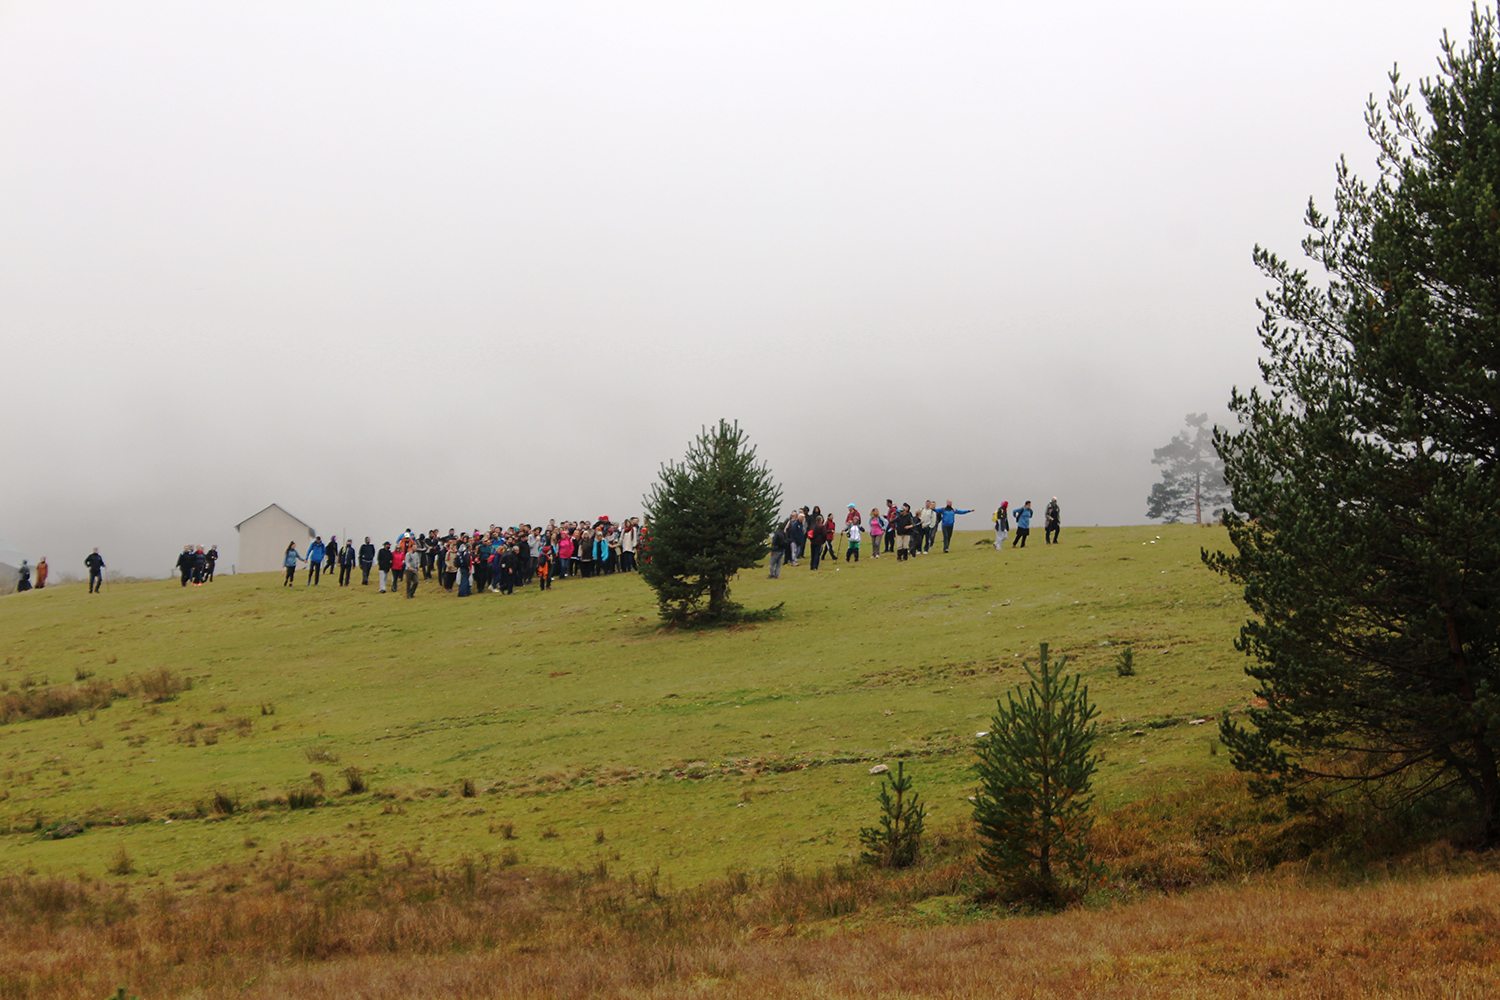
(900, 530)
(897, 529)
(1051, 519)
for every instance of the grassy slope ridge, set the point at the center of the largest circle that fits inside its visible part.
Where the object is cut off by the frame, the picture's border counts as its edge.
(573, 713)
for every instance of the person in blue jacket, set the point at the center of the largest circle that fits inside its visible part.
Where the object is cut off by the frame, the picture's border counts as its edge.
(1023, 525)
(315, 553)
(948, 514)
(290, 562)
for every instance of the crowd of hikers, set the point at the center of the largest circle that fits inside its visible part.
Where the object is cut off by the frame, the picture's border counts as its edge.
(901, 530)
(497, 560)
(196, 566)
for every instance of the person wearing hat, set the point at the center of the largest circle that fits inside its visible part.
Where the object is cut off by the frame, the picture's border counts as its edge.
(1002, 524)
(1053, 522)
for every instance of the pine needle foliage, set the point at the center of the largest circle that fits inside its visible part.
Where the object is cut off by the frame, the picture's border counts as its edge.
(896, 842)
(1033, 809)
(1368, 469)
(709, 517)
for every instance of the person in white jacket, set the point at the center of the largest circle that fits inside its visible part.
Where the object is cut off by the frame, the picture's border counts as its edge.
(852, 549)
(929, 522)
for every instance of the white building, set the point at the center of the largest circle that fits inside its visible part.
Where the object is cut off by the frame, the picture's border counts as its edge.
(264, 536)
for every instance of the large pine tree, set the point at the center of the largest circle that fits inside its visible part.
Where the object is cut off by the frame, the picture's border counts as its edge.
(708, 517)
(1367, 471)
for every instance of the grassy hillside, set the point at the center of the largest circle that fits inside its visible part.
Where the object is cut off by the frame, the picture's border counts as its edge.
(587, 731)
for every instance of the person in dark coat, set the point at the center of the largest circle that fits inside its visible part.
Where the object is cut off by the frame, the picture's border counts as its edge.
(779, 546)
(796, 533)
(905, 525)
(818, 538)
(510, 568)
(95, 562)
(366, 560)
(385, 558)
(346, 563)
(185, 564)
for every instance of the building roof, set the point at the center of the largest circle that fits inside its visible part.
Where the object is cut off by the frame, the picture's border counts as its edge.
(310, 529)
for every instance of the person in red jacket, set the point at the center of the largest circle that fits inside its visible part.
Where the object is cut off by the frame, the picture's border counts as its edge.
(398, 566)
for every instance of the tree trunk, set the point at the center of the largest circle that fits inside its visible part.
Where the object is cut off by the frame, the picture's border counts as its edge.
(1489, 785)
(1484, 757)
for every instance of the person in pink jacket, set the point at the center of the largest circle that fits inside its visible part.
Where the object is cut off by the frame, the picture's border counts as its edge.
(877, 531)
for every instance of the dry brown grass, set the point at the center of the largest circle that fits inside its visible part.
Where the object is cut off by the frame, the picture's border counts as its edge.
(498, 935)
(1215, 896)
(360, 927)
(48, 701)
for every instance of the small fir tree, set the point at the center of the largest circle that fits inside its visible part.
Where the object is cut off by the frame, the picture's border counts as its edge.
(709, 518)
(897, 841)
(1033, 808)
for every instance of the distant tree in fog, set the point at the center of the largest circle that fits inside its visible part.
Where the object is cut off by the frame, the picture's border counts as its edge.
(1192, 476)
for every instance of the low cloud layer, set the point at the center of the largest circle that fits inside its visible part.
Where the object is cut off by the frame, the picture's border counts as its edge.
(400, 266)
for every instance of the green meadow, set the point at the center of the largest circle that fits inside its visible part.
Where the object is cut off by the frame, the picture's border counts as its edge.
(565, 728)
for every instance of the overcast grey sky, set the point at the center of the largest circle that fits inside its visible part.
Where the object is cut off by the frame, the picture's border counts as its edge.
(400, 264)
